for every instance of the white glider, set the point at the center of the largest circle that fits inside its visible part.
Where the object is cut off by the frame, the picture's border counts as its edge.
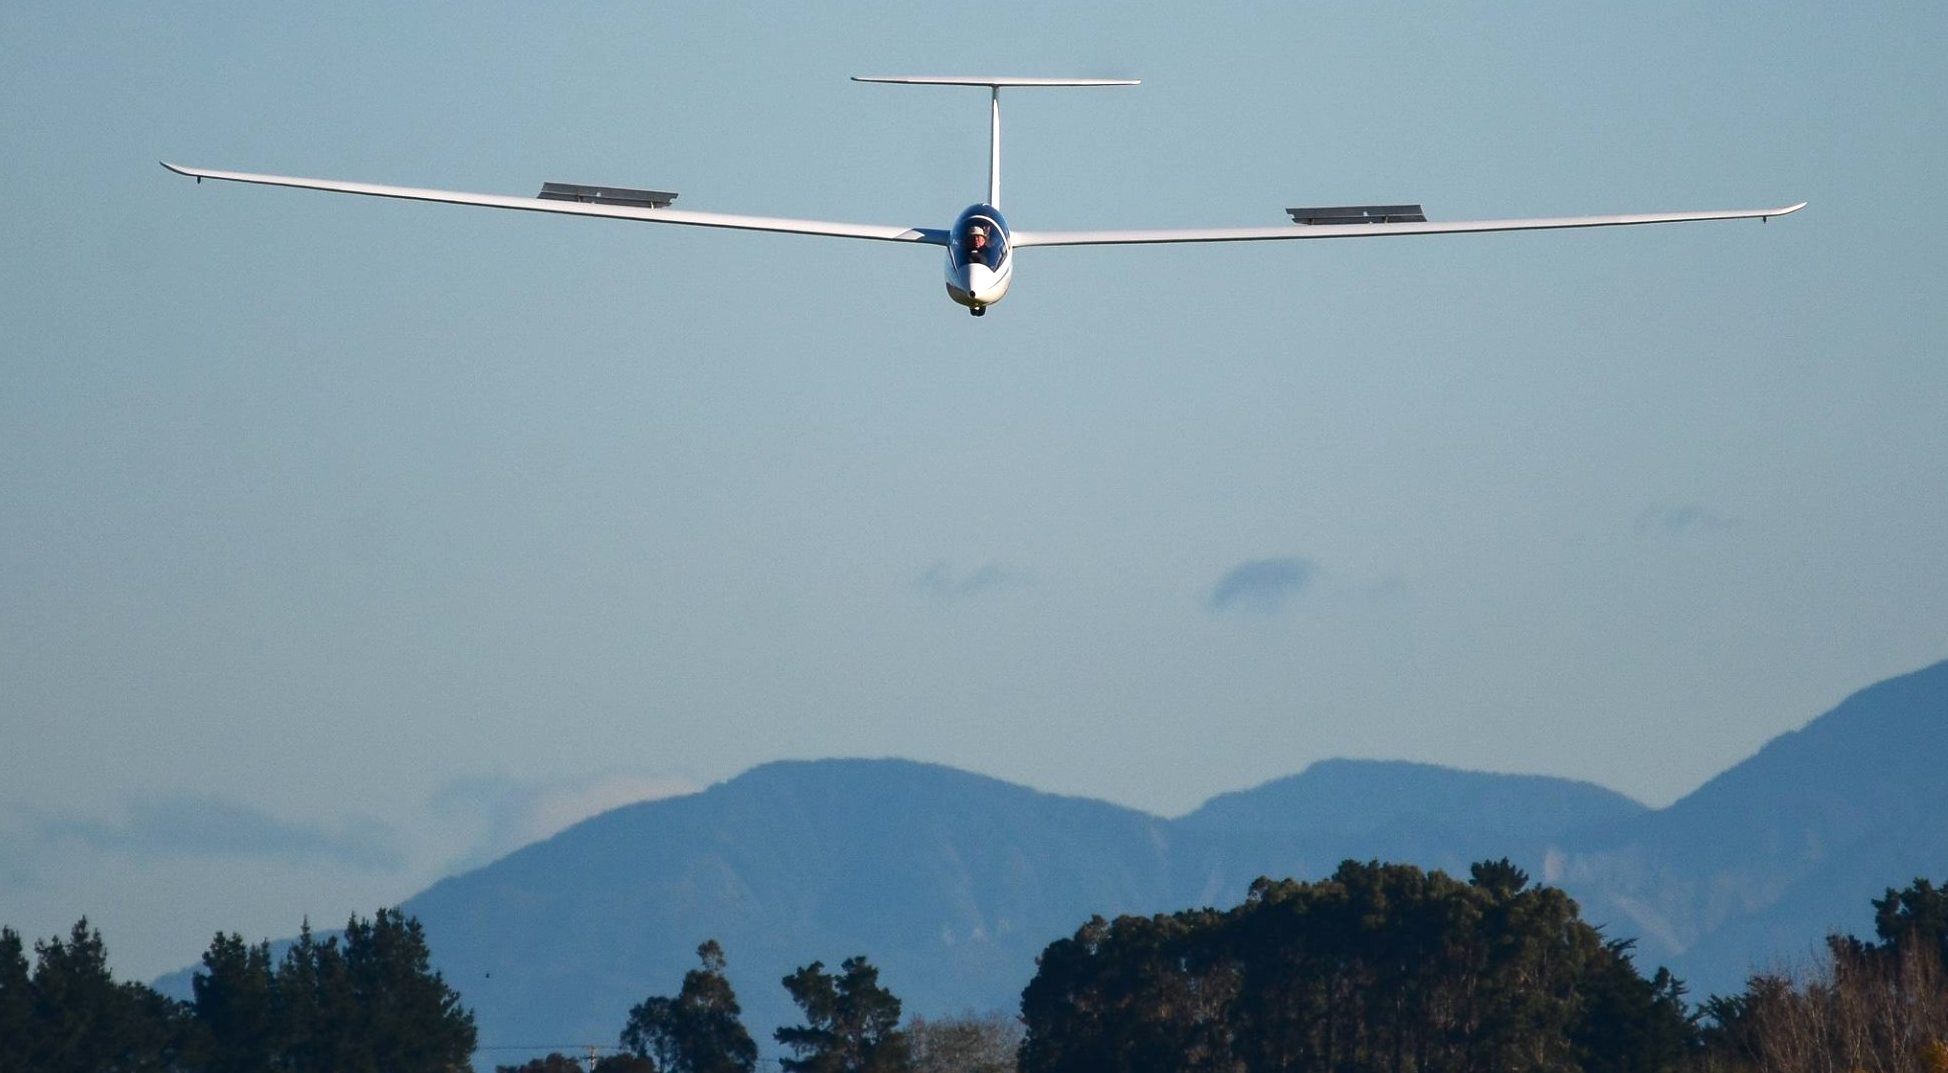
(980, 244)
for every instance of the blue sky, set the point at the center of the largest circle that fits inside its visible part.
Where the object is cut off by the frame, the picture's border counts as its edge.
(344, 542)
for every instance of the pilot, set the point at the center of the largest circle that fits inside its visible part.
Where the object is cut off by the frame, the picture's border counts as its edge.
(977, 240)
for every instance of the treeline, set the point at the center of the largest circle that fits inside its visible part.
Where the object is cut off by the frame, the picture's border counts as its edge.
(368, 1002)
(1378, 967)
(852, 1025)
(1375, 969)
(1389, 969)
(1877, 1006)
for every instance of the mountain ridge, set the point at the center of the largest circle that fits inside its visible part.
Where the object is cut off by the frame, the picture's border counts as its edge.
(1819, 820)
(952, 882)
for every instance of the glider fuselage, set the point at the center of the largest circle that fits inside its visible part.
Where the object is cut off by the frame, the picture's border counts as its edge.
(980, 258)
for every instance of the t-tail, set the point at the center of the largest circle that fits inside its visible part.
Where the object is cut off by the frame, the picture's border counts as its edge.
(994, 86)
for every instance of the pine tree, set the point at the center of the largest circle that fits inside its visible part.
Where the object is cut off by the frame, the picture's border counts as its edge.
(407, 1019)
(851, 1023)
(18, 1028)
(1916, 914)
(700, 1030)
(85, 1022)
(235, 1007)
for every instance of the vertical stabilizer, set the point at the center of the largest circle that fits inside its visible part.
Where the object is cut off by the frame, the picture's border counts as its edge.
(994, 147)
(994, 85)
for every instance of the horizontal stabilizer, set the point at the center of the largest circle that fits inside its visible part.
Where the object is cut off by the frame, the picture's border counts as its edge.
(607, 195)
(992, 81)
(1359, 214)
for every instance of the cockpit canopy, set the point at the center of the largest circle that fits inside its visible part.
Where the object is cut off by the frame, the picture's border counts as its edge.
(980, 237)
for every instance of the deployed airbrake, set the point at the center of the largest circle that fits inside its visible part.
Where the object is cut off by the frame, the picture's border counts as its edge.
(980, 245)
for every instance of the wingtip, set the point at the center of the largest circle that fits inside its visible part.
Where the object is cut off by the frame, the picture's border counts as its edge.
(178, 169)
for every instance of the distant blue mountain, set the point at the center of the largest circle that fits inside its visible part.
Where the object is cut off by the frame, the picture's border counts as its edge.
(952, 883)
(1761, 862)
(1421, 814)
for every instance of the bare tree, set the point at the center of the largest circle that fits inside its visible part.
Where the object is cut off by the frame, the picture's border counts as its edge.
(970, 1043)
(1859, 1007)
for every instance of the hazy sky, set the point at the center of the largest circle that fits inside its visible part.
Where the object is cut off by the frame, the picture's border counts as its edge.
(344, 542)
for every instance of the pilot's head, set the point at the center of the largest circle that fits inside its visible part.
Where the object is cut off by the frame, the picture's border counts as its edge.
(978, 237)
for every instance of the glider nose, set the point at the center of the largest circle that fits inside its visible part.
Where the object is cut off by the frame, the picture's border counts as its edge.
(960, 285)
(980, 281)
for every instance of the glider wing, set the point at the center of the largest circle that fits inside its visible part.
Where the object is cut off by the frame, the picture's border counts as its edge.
(885, 233)
(1374, 230)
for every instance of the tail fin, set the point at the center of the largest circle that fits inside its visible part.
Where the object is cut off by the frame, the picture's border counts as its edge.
(994, 86)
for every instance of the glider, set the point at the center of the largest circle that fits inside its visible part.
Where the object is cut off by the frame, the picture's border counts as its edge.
(980, 244)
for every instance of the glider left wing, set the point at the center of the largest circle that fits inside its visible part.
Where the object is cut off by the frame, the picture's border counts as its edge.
(884, 233)
(1373, 230)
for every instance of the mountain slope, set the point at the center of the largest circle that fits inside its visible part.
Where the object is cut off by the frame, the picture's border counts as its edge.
(1763, 860)
(951, 882)
(1415, 813)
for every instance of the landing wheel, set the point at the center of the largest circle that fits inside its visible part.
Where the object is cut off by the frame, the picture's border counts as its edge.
(979, 311)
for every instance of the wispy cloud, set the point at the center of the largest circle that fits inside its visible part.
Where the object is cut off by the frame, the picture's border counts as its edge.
(943, 582)
(16, 844)
(1264, 586)
(187, 826)
(1681, 519)
(513, 813)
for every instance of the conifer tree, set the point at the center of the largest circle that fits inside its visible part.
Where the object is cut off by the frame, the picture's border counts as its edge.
(85, 1022)
(406, 1019)
(698, 1031)
(235, 1007)
(851, 1023)
(18, 1030)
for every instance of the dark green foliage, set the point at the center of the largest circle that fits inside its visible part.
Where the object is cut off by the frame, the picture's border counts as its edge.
(1380, 967)
(851, 1023)
(624, 1063)
(698, 1031)
(313, 1000)
(407, 1020)
(553, 1063)
(369, 1005)
(1629, 1023)
(365, 1005)
(1137, 994)
(17, 1025)
(236, 1007)
(372, 1005)
(1915, 915)
(71, 1016)
(557, 1062)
